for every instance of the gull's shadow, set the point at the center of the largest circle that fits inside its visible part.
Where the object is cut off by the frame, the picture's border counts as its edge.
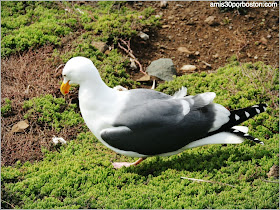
(211, 160)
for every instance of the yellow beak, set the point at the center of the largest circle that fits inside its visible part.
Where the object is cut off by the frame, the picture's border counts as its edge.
(64, 88)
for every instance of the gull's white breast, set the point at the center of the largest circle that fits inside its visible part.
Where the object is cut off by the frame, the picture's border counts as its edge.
(100, 113)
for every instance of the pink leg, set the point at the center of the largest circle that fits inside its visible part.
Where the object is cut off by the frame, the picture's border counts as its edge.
(126, 164)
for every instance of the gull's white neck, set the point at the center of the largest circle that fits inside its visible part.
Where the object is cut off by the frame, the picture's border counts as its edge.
(99, 105)
(94, 93)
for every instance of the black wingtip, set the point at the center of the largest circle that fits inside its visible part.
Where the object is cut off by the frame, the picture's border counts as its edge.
(240, 115)
(260, 108)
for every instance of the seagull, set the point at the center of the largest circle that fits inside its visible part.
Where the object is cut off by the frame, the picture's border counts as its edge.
(143, 122)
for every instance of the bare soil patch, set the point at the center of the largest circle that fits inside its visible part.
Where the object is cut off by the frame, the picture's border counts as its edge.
(251, 37)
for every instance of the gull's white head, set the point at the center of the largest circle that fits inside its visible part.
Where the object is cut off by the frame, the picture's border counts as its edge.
(76, 71)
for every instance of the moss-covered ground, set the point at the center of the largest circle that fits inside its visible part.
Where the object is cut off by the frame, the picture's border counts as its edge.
(80, 174)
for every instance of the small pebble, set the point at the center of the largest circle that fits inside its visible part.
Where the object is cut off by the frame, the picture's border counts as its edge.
(211, 20)
(216, 55)
(184, 50)
(166, 26)
(188, 68)
(144, 36)
(163, 4)
(263, 41)
(179, 5)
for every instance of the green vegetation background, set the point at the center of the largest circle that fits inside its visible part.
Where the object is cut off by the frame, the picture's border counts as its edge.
(80, 174)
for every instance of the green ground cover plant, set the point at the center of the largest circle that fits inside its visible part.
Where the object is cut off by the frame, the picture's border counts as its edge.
(33, 24)
(30, 24)
(80, 174)
(7, 107)
(111, 24)
(53, 112)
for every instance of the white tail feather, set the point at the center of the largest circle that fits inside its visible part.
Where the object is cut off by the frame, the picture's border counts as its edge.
(219, 138)
(180, 93)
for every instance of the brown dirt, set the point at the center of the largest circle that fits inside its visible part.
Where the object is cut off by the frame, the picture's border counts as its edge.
(183, 26)
(251, 37)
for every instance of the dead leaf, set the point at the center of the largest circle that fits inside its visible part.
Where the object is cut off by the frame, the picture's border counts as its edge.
(273, 172)
(184, 50)
(20, 126)
(145, 78)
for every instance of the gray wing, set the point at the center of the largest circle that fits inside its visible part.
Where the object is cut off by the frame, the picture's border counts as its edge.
(159, 126)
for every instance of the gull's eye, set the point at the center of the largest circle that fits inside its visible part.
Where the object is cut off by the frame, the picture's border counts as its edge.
(64, 75)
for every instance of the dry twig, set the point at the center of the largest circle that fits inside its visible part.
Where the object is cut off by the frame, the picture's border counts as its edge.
(270, 181)
(8, 203)
(58, 68)
(207, 64)
(129, 51)
(241, 40)
(201, 180)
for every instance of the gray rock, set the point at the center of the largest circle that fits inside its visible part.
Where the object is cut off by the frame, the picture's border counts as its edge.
(162, 68)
